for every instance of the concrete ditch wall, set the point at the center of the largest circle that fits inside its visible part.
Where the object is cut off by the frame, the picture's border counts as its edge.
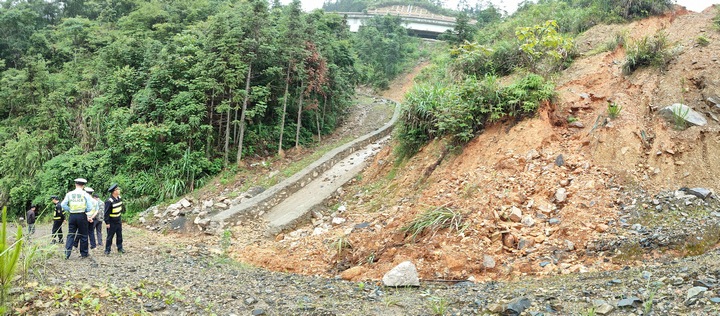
(259, 204)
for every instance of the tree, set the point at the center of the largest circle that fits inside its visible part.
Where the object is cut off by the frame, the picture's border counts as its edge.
(293, 35)
(256, 28)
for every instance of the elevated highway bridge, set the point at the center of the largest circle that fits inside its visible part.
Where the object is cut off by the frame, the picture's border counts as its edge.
(418, 21)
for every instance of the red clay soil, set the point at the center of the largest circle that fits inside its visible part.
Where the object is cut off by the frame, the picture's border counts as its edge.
(514, 166)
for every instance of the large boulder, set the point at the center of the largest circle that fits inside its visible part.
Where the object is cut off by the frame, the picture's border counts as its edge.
(690, 116)
(404, 274)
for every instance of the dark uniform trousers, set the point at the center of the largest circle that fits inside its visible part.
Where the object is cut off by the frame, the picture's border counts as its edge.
(57, 230)
(115, 229)
(77, 230)
(91, 233)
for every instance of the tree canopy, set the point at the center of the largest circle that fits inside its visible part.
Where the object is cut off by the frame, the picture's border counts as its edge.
(158, 95)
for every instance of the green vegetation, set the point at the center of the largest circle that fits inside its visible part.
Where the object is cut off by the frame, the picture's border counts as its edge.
(340, 245)
(679, 116)
(649, 51)
(9, 255)
(613, 109)
(384, 48)
(459, 111)
(619, 40)
(438, 305)
(702, 41)
(434, 220)
(160, 96)
(696, 245)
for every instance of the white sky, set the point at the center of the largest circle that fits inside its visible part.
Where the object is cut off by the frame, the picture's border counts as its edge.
(511, 5)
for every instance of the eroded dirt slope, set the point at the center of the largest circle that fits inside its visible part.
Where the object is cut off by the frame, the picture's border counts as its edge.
(564, 184)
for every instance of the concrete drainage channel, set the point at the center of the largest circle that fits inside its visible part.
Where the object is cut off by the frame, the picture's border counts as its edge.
(285, 203)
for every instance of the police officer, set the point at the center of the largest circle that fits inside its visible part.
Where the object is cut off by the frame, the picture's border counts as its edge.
(91, 217)
(58, 219)
(113, 209)
(78, 203)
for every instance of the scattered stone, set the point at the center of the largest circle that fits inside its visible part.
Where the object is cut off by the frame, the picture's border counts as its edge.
(221, 206)
(576, 124)
(636, 227)
(496, 308)
(704, 283)
(251, 192)
(528, 221)
(601, 228)
(646, 275)
(184, 203)
(690, 116)
(629, 302)
(715, 300)
(258, 312)
(560, 195)
(569, 245)
(488, 262)
(338, 220)
(698, 192)
(532, 154)
(250, 301)
(509, 240)
(554, 221)
(342, 208)
(544, 264)
(715, 101)
(319, 231)
(353, 273)
(525, 243)
(517, 306)
(362, 225)
(207, 204)
(515, 214)
(559, 161)
(604, 309)
(404, 274)
(695, 291)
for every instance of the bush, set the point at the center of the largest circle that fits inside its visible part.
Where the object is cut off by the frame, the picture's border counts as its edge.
(460, 111)
(649, 51)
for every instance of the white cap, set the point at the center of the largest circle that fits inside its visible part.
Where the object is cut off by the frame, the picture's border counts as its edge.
(89, 190)
(81, 181)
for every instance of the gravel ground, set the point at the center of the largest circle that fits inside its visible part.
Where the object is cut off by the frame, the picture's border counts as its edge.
(170, 275)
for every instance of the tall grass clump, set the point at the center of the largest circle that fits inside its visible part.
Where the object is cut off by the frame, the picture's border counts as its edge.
(9, 255)
(649, 51)
(434, 220)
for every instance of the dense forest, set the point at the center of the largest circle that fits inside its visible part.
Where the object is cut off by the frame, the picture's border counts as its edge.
(159, 95)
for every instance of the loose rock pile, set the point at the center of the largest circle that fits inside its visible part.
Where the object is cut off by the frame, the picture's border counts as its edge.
(176, 216)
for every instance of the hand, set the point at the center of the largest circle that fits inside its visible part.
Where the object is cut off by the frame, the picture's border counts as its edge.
(108, 225)
(90, 220)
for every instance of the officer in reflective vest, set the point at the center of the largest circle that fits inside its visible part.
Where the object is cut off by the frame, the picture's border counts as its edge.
(58, 219)
(113, 210)
(78, 203)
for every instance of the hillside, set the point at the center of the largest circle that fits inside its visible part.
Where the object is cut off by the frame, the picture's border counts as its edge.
(609, 170)
(566, 212)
